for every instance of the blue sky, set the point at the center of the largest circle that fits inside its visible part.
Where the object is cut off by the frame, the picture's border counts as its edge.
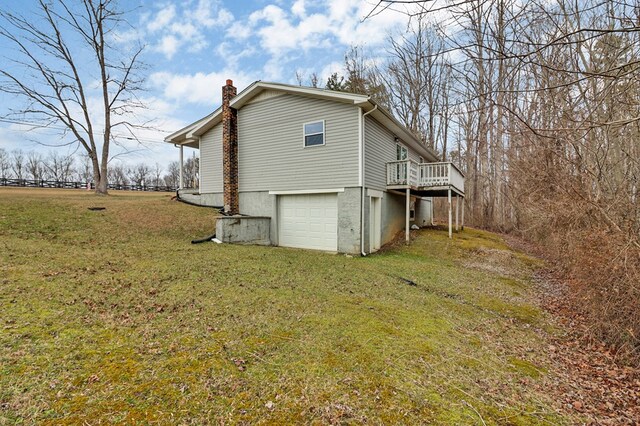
(193, 46)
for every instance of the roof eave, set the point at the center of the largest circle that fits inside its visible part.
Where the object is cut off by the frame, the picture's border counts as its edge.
(247, 94)
(403, 133)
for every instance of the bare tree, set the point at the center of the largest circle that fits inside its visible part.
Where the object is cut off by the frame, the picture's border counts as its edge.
(157, 174)
(55, 83)
(59, 167)
(192, 171)
(5, 163)
(18, 163)
(172, 177)
(313, 79)
(35, 166)
(405, 78)
(118, 175)
(83, 170)
(418, 79)
(140, 174)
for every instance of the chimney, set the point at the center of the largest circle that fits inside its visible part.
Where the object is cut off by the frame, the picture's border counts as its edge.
(230, 150)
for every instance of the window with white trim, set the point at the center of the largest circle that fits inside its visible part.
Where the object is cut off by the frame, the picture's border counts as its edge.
(402, 153)
(314, 133)
(402, 171)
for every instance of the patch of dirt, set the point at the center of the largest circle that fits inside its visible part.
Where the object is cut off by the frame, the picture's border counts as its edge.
(492, 260)
(590, 380)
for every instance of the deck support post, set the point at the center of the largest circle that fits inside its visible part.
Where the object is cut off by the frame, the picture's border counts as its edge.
(463, 213)
(406, 218)
(457, 209)
(181, 183)
(449, 199)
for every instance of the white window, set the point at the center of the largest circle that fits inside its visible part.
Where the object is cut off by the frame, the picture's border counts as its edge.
(420, 160)
(314, 133)
(402, 153)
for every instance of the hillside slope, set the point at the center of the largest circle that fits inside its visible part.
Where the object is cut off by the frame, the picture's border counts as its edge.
(113, 316)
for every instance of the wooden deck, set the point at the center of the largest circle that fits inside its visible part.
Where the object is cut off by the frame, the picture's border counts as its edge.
(425, 179)
(428, 180)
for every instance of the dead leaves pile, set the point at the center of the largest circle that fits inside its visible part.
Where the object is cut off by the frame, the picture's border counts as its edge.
(591, 381)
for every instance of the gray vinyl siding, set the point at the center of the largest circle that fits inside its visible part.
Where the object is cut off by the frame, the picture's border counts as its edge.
(271, 151)
(380, 148)
(211, 161)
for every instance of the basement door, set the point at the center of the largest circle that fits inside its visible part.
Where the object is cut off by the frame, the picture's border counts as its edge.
(308, 221)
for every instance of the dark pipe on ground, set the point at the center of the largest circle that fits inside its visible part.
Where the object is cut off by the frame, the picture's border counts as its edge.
(203, 240)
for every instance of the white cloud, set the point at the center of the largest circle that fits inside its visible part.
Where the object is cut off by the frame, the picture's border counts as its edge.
(239, 31)
(232, 55)
(298, 8)
(125, 37)
(199, 88)
(162, 19)
(203, 14)
(333, 67)
(168, 46)
(185, 27)
(273, 70)
(334, 23)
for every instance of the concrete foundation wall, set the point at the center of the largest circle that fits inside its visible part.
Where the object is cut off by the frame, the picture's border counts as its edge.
(213, 199)
(260, 203)
(244, 230)
(367, 223)
(265, 206)
(190, 198)
(393, 216)
(349, 220)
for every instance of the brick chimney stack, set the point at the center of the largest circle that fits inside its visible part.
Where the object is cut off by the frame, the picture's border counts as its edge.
(230, 150)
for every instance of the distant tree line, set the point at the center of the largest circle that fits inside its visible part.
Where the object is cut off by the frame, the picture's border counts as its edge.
(55, 166)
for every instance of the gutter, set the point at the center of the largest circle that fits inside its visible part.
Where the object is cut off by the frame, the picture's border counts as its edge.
(362, 162)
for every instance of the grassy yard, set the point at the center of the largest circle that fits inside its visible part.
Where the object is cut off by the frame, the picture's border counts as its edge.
(114, 317)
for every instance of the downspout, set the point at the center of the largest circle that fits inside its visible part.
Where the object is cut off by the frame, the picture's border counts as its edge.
(362, 164)
(199, 165)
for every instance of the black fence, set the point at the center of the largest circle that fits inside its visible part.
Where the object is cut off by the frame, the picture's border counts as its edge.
(80, 185)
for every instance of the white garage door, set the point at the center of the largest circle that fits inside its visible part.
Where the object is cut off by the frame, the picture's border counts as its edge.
(309, 221)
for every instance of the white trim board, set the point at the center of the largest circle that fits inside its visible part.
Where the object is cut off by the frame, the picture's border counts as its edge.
(374, 193)
(307, 191)
(360, 143)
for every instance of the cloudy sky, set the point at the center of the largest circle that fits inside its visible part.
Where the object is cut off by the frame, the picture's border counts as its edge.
(193, 46)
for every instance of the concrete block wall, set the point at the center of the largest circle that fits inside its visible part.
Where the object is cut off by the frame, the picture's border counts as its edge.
(261, 203)
(393, 215)
(349, 220)
(244, 230)
(213, 199)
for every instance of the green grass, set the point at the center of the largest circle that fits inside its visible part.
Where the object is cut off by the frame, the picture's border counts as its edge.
(114, 317)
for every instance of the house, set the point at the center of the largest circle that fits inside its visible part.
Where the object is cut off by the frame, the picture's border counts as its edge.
(311, 168)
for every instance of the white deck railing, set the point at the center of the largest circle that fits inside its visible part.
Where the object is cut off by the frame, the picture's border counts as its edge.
(426, 175)
(402, 172)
